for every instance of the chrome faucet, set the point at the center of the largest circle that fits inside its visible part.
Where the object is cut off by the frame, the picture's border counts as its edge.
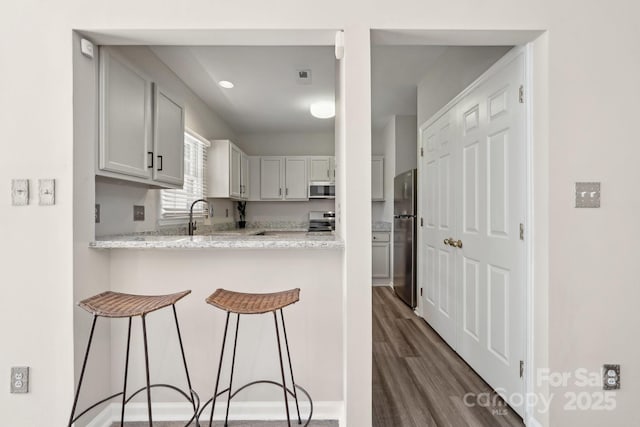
(192, 224)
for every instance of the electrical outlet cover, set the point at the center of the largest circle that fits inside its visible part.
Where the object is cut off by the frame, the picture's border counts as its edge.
(47, 192)
(610, 377)
(138, 212)
(20, 192)
(20, 379)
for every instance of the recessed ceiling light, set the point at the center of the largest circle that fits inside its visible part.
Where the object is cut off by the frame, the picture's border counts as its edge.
(226, 84)
(323, 110)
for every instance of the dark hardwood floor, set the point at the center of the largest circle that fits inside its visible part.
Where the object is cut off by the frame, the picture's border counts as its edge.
(418, 380)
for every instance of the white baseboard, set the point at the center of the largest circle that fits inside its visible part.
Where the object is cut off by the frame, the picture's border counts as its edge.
(239, 411)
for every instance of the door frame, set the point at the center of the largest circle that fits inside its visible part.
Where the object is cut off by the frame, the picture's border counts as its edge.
(526, 49)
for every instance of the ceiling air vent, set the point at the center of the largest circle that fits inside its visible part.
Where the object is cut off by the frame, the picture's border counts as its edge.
(304, 77)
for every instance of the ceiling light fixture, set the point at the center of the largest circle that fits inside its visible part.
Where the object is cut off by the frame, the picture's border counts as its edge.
(323, 110)
(226, 84)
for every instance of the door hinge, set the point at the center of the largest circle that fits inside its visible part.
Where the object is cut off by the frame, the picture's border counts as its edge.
(421, 152)
(421, 222)
(521, 368)
(420, 291)
(521, 231)
(521, 94)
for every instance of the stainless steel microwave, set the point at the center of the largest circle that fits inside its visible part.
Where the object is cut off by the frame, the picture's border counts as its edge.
(322, 190)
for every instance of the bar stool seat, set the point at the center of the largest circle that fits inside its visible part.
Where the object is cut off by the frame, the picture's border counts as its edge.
(116, 304)
(242, 303)
(120, 305)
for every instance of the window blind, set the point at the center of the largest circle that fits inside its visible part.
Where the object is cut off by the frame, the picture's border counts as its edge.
(175, 204)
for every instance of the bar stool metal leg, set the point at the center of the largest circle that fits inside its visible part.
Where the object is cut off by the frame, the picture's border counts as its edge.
(126, 372)
(84, 365)
(215, 392)
(146, 362)
(293, 381)
(233, 362)
(284, 384)
(184, 359)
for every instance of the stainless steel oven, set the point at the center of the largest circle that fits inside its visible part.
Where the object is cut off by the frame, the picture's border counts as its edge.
(322, 190)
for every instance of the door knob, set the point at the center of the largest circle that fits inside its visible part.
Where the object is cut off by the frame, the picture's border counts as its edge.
(448, 241)
(456, 243)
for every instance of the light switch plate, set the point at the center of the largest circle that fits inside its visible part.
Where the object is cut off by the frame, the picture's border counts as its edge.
(20, 192)
(587, 194)
(47, 192)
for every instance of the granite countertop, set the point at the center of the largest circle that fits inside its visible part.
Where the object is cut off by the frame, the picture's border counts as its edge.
(231, 239)
(381, 226)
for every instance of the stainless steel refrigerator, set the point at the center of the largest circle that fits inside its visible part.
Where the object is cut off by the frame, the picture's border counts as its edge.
(404, 237)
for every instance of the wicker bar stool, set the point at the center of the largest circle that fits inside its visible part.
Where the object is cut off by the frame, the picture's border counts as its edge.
(118, 305)
(244, 303)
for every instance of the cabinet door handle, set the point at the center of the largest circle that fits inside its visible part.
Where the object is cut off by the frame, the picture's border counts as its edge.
(160, 162)
(286, 192)
(150, 153)
(279, 191)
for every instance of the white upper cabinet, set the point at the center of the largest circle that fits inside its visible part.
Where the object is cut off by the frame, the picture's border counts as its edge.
(227, 171)
(125, 133)
(296, 183)
(271, 178)
(377, 178)
(141, 126)
(235, 188)
(168, 139)
(245, 176)
(283, 178)
(321, 168)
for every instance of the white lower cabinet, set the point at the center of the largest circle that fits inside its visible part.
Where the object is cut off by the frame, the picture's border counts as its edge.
(381, 255)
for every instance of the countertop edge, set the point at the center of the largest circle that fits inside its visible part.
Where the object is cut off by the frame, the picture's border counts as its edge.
(236, 244)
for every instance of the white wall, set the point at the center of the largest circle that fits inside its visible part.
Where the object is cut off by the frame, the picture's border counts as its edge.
(296, 212)
(288, 144)
(406, 131)
(590, 116)
(314, 324)
(90, 267)
(456, 69)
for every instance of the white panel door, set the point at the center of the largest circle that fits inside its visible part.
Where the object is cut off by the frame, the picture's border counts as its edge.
(473, 192)
(490, 267)
(271, 178)
(438, 272)
(296, 183)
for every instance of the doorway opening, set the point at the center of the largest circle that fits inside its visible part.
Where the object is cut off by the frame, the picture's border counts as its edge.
(452, 319)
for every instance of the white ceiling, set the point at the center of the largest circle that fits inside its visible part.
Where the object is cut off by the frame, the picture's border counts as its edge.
(395, 74)
(266, 96)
